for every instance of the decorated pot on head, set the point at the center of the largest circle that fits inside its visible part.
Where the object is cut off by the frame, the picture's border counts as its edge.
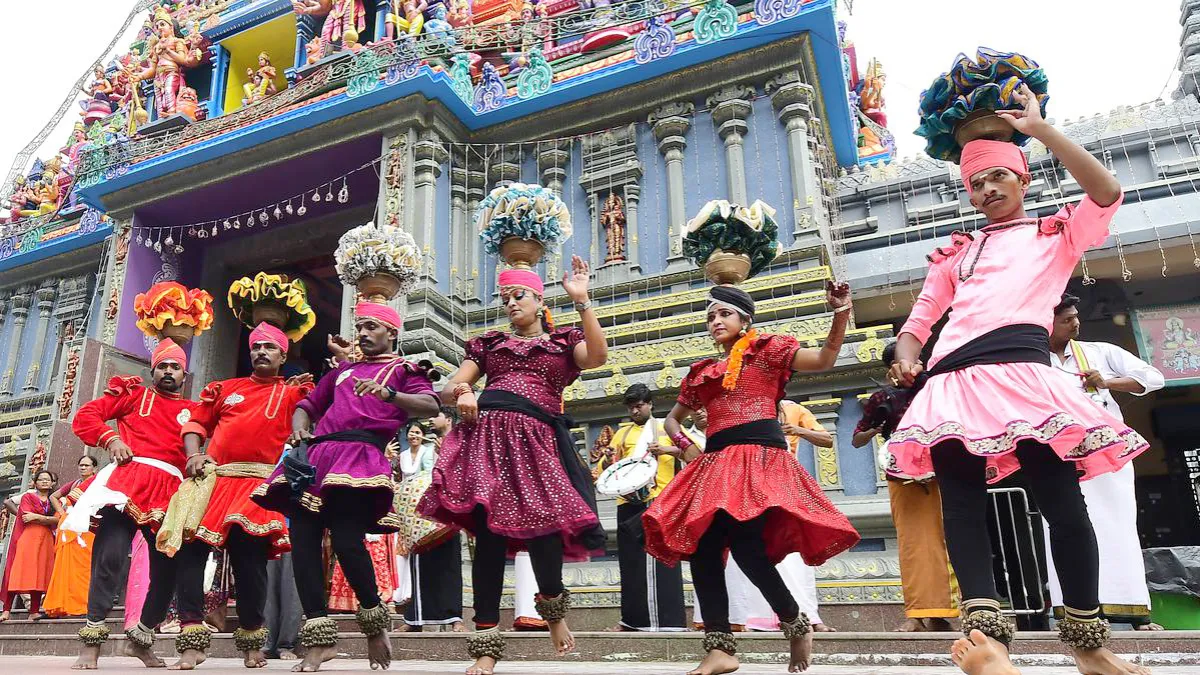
(171, 310)
(731, 242)
(960, 106)
(274, 299)
(381, 261)
(519, 222)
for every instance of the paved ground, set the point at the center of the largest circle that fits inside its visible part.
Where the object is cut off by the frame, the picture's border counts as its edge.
(24, 665)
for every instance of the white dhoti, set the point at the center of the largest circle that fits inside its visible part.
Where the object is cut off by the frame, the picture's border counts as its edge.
(748, 607)
(525, 589)
(403, 592)
(1112, 507)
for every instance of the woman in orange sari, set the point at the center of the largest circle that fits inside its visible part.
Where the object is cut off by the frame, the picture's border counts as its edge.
(34, 557)
(67, 595)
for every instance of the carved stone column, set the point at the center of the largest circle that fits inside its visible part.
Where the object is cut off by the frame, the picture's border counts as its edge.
(633, 197)
(476, 191)
(430, 153)
(730, 107)
(460, 230)
(506, 165)
(552, 160)
(44, 295)
(792, 100)
(393, 181)
(20, 311)
(670, 122)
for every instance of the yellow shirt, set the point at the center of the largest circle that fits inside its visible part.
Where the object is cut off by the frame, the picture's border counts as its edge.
(626, 440)
(794, 413)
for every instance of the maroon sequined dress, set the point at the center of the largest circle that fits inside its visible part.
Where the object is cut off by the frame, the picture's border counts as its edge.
(507, 462)
(746, 480)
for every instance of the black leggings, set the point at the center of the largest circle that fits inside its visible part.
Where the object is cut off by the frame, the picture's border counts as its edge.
(346, 536)
(487, 570)
(247, 556)
(747, 545)
(1055, 487)
(110, 566)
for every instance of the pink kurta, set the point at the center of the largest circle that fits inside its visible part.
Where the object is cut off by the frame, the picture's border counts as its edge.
(1002, 275)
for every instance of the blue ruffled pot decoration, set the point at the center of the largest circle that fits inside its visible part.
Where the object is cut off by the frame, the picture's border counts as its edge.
(523, 211)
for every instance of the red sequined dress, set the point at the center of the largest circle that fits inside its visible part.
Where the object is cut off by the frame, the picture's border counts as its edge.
(507, 462)
(749, 480)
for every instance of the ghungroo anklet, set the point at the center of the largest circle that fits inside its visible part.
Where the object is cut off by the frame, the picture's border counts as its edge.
(319, 632)
(797, 627)
(94, 634)
(195, 637)
(488, 643)
(1084, 634)
(991, 623)
(723, 641)
(250, 640)
(373, 621)
(554, 609)
(140, 635)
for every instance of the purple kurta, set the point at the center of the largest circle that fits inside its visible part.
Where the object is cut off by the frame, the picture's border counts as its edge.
(352, 477)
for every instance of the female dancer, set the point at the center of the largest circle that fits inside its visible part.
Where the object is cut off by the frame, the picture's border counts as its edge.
(35, 550)
(509, 473)
(992, 403)
(67, 595)
(745, 491)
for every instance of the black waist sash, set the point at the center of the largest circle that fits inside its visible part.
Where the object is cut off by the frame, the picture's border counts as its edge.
(577, 473)
(300, 473)
(758, 432)
(352, 435)
(1018, 343)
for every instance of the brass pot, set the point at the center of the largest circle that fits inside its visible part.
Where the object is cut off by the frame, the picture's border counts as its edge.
(180, 335)
(522, 253)
(985, 124)
(270, 312)
(727, 267)
(379, 287)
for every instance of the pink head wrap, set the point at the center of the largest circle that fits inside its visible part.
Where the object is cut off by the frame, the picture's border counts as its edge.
(522, 279)
(265, 332)
(167, 350)
(377, 312)
(982, 154)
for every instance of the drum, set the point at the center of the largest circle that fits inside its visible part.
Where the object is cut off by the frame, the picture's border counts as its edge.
(887, 464)
(630, 478)
(418, 534)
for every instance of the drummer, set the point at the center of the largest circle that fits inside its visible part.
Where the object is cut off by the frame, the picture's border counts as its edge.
(645, 606)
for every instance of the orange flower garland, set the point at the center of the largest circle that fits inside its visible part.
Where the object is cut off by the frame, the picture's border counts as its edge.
(169, 302)
(549, 320)
(734, 369)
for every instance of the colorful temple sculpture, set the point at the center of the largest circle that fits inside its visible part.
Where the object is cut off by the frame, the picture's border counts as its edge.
(244, 136)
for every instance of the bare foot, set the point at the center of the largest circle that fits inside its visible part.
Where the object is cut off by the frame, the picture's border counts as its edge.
(560, 636)
(379, 651)
(936, 625)
(88, 656)
(801, 653)
(254, 659)
(287, 655)
(1148, 626)
(405, 628)
(979, 654)
(5, 616)
(823, 628)
(910, 625)
(314, 657)
(147, 657)
(619, 628)
(716, 662)
(188, 660)
(457, 627)
(1103, 662)
(483, 666)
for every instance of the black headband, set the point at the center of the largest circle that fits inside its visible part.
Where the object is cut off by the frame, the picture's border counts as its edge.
(734, 297)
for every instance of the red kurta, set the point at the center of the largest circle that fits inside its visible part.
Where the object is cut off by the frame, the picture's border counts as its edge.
(248, 420)
(148, 421)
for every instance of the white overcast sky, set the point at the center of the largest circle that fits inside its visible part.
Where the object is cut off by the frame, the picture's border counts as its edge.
(1096, 57)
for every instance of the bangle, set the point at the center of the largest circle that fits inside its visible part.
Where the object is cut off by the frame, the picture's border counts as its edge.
(461, 389)
(581, 306)
(843, 308)
(681, 440)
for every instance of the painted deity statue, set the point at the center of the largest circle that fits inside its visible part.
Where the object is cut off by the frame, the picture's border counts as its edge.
(872, 93)
(461, 14)
(261, 82)
(346, 21)
(439, 26)
(169, 56)
(407, 16)
(100, 103)
(612, 219)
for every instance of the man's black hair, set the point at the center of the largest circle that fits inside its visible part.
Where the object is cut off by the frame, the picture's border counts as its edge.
(638, 393)
(1066, 303)
(889, 354)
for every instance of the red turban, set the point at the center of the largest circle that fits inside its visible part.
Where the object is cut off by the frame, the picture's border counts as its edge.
(377, 312)
(167, 350)
(982, 154)
(522, 279)
(265, 332)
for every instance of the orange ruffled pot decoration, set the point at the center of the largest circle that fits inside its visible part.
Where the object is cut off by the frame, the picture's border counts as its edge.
(169, 302)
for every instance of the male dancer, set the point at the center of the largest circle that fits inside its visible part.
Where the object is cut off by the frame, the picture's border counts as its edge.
(345, 482)
(132, 494)
(651, 592)
(248, 419)
(1098, 369)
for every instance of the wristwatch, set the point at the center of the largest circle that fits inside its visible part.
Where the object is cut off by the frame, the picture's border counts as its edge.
(391, 395)
(580, 306)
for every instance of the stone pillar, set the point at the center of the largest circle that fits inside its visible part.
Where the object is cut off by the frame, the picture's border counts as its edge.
(552, 160)
(460, 230)
(20, 311)
(670, 122)
(219, 56)
(730, 107)
(44, 295)
(505, 166)
(633, 196)
(430, 153)
(476, 191)
(393, 181)
(792, 100)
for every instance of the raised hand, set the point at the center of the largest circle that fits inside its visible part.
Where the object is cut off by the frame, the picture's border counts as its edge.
(575, 282)
(299, 380)
(1029, 120)
(837, 294)
(363, 387)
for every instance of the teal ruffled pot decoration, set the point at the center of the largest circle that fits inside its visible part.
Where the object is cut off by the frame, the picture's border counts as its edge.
(525, 212)
(987, 83)
(720, 225)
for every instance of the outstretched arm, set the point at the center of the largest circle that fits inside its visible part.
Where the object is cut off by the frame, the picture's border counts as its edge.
(838, 297)
(593, 351)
